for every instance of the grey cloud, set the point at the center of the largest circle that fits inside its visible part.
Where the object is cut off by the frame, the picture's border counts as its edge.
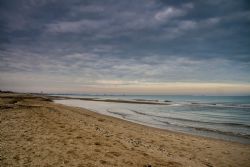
(89, 41)
(172, 12)
(74, 26)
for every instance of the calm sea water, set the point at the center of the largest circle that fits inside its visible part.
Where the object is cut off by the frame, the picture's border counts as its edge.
(222, 117)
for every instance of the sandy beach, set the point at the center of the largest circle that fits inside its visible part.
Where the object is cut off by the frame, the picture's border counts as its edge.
(37, 132)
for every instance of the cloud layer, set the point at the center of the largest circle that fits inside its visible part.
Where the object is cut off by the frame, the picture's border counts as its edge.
(54, 45)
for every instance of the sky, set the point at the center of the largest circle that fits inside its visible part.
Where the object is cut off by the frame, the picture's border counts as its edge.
(125, 47)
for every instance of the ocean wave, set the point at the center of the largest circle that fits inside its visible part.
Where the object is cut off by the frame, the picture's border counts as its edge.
(222, 132)
(146, 100)
(195, 121)
(201, 129)
(122, 114)
(224, 105)
(208, 130)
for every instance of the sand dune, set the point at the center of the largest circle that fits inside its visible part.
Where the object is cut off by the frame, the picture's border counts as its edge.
(37, 132)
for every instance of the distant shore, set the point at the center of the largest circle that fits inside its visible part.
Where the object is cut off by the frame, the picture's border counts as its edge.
(135, 101)
(37, 132)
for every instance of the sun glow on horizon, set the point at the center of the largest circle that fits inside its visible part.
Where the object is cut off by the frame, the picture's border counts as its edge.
(176, 88)
(144, 88)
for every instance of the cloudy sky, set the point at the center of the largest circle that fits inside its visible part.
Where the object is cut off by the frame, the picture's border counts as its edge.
(131, 47)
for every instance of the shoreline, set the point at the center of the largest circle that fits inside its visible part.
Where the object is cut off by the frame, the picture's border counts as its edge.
(133, 115)
(79, 137)
(161, 129)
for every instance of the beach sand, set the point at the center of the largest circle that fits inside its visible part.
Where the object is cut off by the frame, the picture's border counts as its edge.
(37, 132)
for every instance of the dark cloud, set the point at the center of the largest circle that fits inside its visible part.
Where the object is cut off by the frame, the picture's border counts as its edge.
(147, 40)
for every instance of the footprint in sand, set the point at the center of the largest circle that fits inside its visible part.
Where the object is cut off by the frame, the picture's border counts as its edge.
(173, 164)
(97, 143)
(103, 162)
(112, 154)
(72, 153)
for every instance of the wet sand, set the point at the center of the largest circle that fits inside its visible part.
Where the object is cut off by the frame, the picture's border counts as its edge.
(37, 132)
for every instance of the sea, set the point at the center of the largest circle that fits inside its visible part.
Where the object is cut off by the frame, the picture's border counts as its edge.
(219, 117)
